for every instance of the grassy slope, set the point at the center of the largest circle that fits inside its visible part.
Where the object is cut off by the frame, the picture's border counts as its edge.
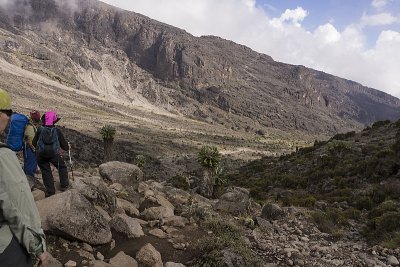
(353, 176)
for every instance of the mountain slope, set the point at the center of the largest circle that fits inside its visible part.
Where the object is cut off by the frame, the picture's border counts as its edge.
(128, 58)
(351, 176)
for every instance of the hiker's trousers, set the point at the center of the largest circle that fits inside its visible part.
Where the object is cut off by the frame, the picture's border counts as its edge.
(30, 162)
(47, 175)
(15, 255)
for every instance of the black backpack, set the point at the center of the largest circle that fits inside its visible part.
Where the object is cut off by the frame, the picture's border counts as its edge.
(48, 143)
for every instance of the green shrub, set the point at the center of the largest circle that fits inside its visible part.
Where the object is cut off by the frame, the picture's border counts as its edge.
(353, 214)
(380, 124)
(387, 206)
(363, 202)
(225, 237)
(140, 160)
(180, 181)
(388, 222)
(393, 241)
(344, 136)
(300, 201)
(329, 221)
(336, 147)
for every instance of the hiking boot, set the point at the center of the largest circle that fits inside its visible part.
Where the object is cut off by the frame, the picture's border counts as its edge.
(65, 188)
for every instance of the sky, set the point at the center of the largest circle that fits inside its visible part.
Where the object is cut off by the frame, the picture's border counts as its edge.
(353, 39)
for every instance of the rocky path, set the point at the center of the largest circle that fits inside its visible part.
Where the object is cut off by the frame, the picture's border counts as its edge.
(111, 218)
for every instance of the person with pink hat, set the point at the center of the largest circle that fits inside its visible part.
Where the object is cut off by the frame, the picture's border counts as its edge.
(49, 141)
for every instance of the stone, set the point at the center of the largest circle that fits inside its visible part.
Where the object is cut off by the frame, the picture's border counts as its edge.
(272, 212)
(98, 263)
(236, 200)
(173, 264)
(87, 247)
(70, 264)
(127, 225)
(392, 260)
(38, 195)
(158, 233)
(149, 256)
(71, 215)
(176, 221)
(52, 262)
(121, 259)
(100, 256)
(116, 187)
(128, 207)
(157, 213)
(98, 193)
(120, 172)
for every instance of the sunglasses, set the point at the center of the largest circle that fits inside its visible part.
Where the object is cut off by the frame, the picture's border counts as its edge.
(8, 112)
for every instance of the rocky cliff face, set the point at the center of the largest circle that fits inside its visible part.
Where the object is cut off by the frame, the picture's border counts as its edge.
(121, 55)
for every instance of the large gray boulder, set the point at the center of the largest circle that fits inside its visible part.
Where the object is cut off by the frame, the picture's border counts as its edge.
(272, 212)
(127, 225)
(149, 256)
(155, 201)
(121, 172)
(236, 200)
(157, 213)
(97, 192)
(71, 215)
(121, 259)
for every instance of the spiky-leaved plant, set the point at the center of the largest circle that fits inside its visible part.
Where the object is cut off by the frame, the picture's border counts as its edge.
(107, 133)
(209, 157)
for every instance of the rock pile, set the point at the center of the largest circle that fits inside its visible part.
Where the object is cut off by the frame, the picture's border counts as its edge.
(86, 219)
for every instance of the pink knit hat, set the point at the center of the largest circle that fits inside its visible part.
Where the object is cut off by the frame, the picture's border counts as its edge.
(50, 118)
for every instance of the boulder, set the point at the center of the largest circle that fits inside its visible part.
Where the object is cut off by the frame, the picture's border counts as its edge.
(155, 201)
(176, 221)
(236, 200)
(157, 213)
(121, 259)
(232, 259)
(127, 225)
(149, 256)
(121, 172)
(38, 194)
(158, 233)
(128, 207)
(272, 212)
(71, 215)
(177, 196)
(97, 192)
(52, 262)
(173, 264)
(98, 263)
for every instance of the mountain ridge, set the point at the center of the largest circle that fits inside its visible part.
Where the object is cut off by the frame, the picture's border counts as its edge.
(123, 55)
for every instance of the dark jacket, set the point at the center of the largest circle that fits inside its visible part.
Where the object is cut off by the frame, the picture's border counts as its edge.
(61, 139)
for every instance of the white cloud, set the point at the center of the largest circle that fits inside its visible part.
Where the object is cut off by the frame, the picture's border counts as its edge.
(378, 19)
(342, 53)
(379, 4)
(326, 34)
(295, 16)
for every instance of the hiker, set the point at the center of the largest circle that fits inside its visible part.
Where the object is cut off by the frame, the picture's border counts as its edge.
(21, 235)
(48, 142)
(30, 163)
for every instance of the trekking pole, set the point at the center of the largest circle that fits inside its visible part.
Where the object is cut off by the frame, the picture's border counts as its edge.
(70, 161)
